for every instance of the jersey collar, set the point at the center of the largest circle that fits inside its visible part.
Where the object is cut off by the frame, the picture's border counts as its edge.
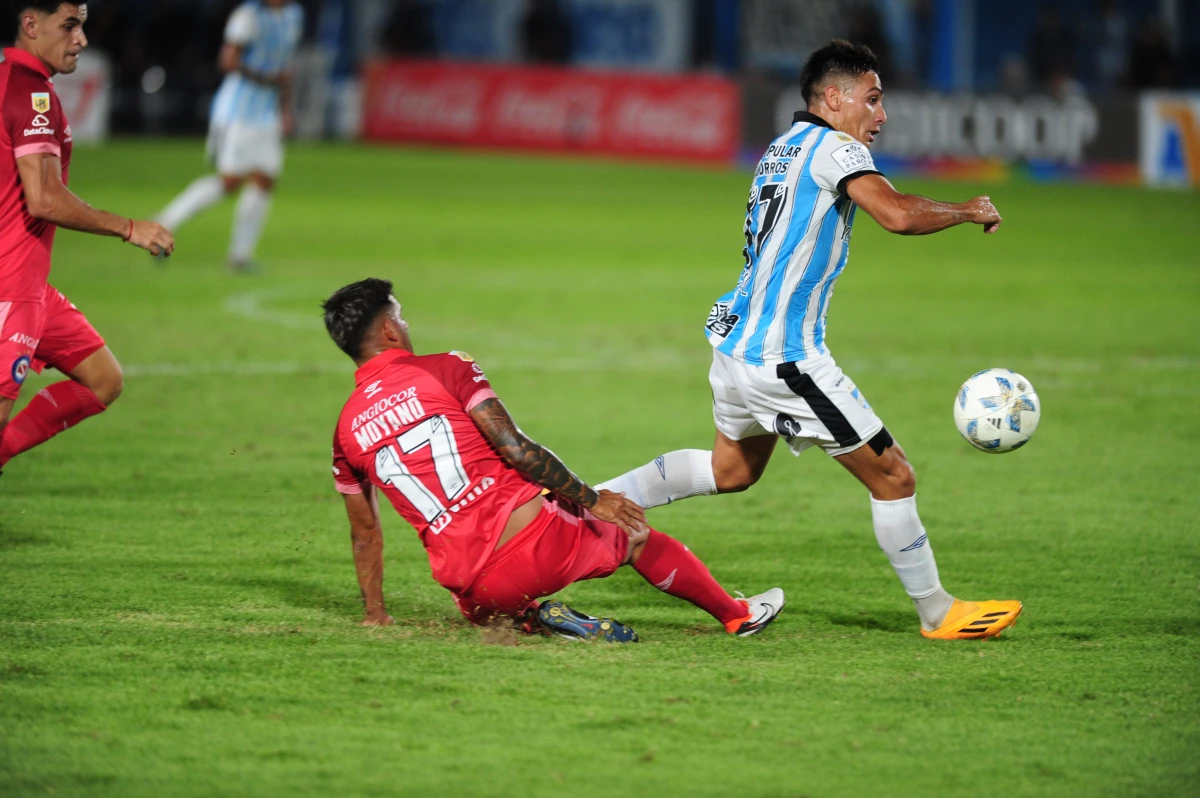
(812, 119)
(26, 58)
(378, 363)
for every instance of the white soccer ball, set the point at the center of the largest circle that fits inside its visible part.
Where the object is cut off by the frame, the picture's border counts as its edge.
(997, 410)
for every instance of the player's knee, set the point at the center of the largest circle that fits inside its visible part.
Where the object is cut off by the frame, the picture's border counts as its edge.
(735, 478)
(901, 479)
(264, 182)
(110, 386)
(231, 183)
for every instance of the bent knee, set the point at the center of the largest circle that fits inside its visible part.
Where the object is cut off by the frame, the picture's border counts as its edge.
(109, 388)
(735, 480)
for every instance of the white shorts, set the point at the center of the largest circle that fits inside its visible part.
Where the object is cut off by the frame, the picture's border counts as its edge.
(238, 150)
(809, 402)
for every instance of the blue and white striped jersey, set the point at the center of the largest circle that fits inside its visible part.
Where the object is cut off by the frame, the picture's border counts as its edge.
(797, 229)
(269, 37)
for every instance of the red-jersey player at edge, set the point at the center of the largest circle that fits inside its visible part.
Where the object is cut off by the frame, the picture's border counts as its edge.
(38, 326)
(503, 520)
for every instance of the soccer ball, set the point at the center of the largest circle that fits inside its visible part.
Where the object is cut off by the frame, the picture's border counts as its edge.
(997, 410)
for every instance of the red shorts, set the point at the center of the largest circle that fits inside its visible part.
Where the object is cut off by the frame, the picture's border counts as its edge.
(563, 545)
(34, 335)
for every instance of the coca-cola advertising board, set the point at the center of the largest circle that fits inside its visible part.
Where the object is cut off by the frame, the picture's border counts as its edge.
(694, 118)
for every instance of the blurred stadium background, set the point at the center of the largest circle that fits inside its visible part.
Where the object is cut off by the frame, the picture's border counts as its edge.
(1062, 89)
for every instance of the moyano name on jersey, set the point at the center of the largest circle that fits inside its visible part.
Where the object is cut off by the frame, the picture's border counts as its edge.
(797, 231)
(387, 417)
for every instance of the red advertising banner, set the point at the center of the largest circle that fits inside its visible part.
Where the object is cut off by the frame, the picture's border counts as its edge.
(694, 118)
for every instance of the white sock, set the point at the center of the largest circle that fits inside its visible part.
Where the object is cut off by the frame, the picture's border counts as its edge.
(202, 193)
(902, 537)
(248, 220)
(671, 477)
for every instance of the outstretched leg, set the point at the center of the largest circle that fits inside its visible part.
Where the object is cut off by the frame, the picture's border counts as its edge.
(731, 467)
(95, 383)
(203, 193)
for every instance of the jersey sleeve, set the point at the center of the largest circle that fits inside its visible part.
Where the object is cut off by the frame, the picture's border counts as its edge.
(242, 27)
(465, 380)
(33, 120)
(839, 160)
(345, 478)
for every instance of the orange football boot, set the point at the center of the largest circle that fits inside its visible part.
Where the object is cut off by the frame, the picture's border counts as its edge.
(975, 620)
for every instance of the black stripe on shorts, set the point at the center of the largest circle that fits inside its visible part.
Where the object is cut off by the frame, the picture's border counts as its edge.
(803, 386)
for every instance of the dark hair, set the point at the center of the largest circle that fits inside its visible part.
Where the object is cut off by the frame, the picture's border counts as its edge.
(839, 58)
(18, 8)
(351, 311)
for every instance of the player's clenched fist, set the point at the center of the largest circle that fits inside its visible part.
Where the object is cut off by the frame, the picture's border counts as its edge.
(616, 509)
(152, 237)
(985, 213)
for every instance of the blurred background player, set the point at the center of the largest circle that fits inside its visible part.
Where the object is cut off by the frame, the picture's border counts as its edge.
(772, 374)
(38, 325)
(503, 520)
(250, 118)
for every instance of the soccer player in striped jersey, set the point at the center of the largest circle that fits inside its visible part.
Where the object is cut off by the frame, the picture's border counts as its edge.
(250, 117)
(773, 376)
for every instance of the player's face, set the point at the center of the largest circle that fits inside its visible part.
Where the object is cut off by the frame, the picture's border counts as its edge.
(396, 317)
(862, 109)
(60, 38)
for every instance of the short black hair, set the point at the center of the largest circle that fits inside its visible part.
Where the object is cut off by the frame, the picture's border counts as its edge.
(19, 7)
(351, 311)
(839, 58)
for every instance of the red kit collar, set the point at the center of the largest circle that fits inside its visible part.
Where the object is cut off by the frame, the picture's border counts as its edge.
(26, 58)
(378, 363)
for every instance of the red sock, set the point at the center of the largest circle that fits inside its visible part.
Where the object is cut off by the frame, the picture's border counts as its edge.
(669, 566)
(54, 409)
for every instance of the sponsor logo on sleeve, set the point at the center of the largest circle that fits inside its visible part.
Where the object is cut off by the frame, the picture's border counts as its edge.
(20, 369)
(463, 356)
(842, 137)
(853, 157)
(41, 101)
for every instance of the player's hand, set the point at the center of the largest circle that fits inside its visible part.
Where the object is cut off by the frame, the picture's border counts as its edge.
(985, 214)
(380, 619)
(616, 509)
(152, 237)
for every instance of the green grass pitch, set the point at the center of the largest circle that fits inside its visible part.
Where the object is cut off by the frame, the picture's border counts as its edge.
(178, 606)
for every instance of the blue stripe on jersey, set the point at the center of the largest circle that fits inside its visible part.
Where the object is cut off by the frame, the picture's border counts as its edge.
(798, 306)
(819, 330)
(742, 295)
(803, 205)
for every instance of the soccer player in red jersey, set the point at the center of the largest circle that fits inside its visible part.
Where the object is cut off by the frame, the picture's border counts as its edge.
(38, 325)
(503, 520)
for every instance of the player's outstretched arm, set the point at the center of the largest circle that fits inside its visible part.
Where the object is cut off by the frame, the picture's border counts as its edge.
(542, 466)
(49, 200)
(367, 536)
(909, 214)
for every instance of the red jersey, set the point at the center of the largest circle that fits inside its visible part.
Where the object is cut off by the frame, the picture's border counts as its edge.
(406, 430)
(31, 121)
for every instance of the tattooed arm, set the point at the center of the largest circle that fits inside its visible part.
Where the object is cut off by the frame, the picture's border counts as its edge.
(540, 465)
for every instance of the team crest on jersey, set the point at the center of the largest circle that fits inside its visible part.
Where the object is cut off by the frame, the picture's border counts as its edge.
(41, 101)
(20, 369)
(463, 356)
(720, 320)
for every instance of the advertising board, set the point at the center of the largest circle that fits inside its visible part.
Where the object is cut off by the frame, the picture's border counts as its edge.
(1170, 138)
(694, 118)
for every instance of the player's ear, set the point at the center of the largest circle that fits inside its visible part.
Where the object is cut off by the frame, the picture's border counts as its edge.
(833, 98)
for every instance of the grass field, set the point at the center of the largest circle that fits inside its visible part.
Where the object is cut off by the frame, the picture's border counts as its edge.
(178, 606)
